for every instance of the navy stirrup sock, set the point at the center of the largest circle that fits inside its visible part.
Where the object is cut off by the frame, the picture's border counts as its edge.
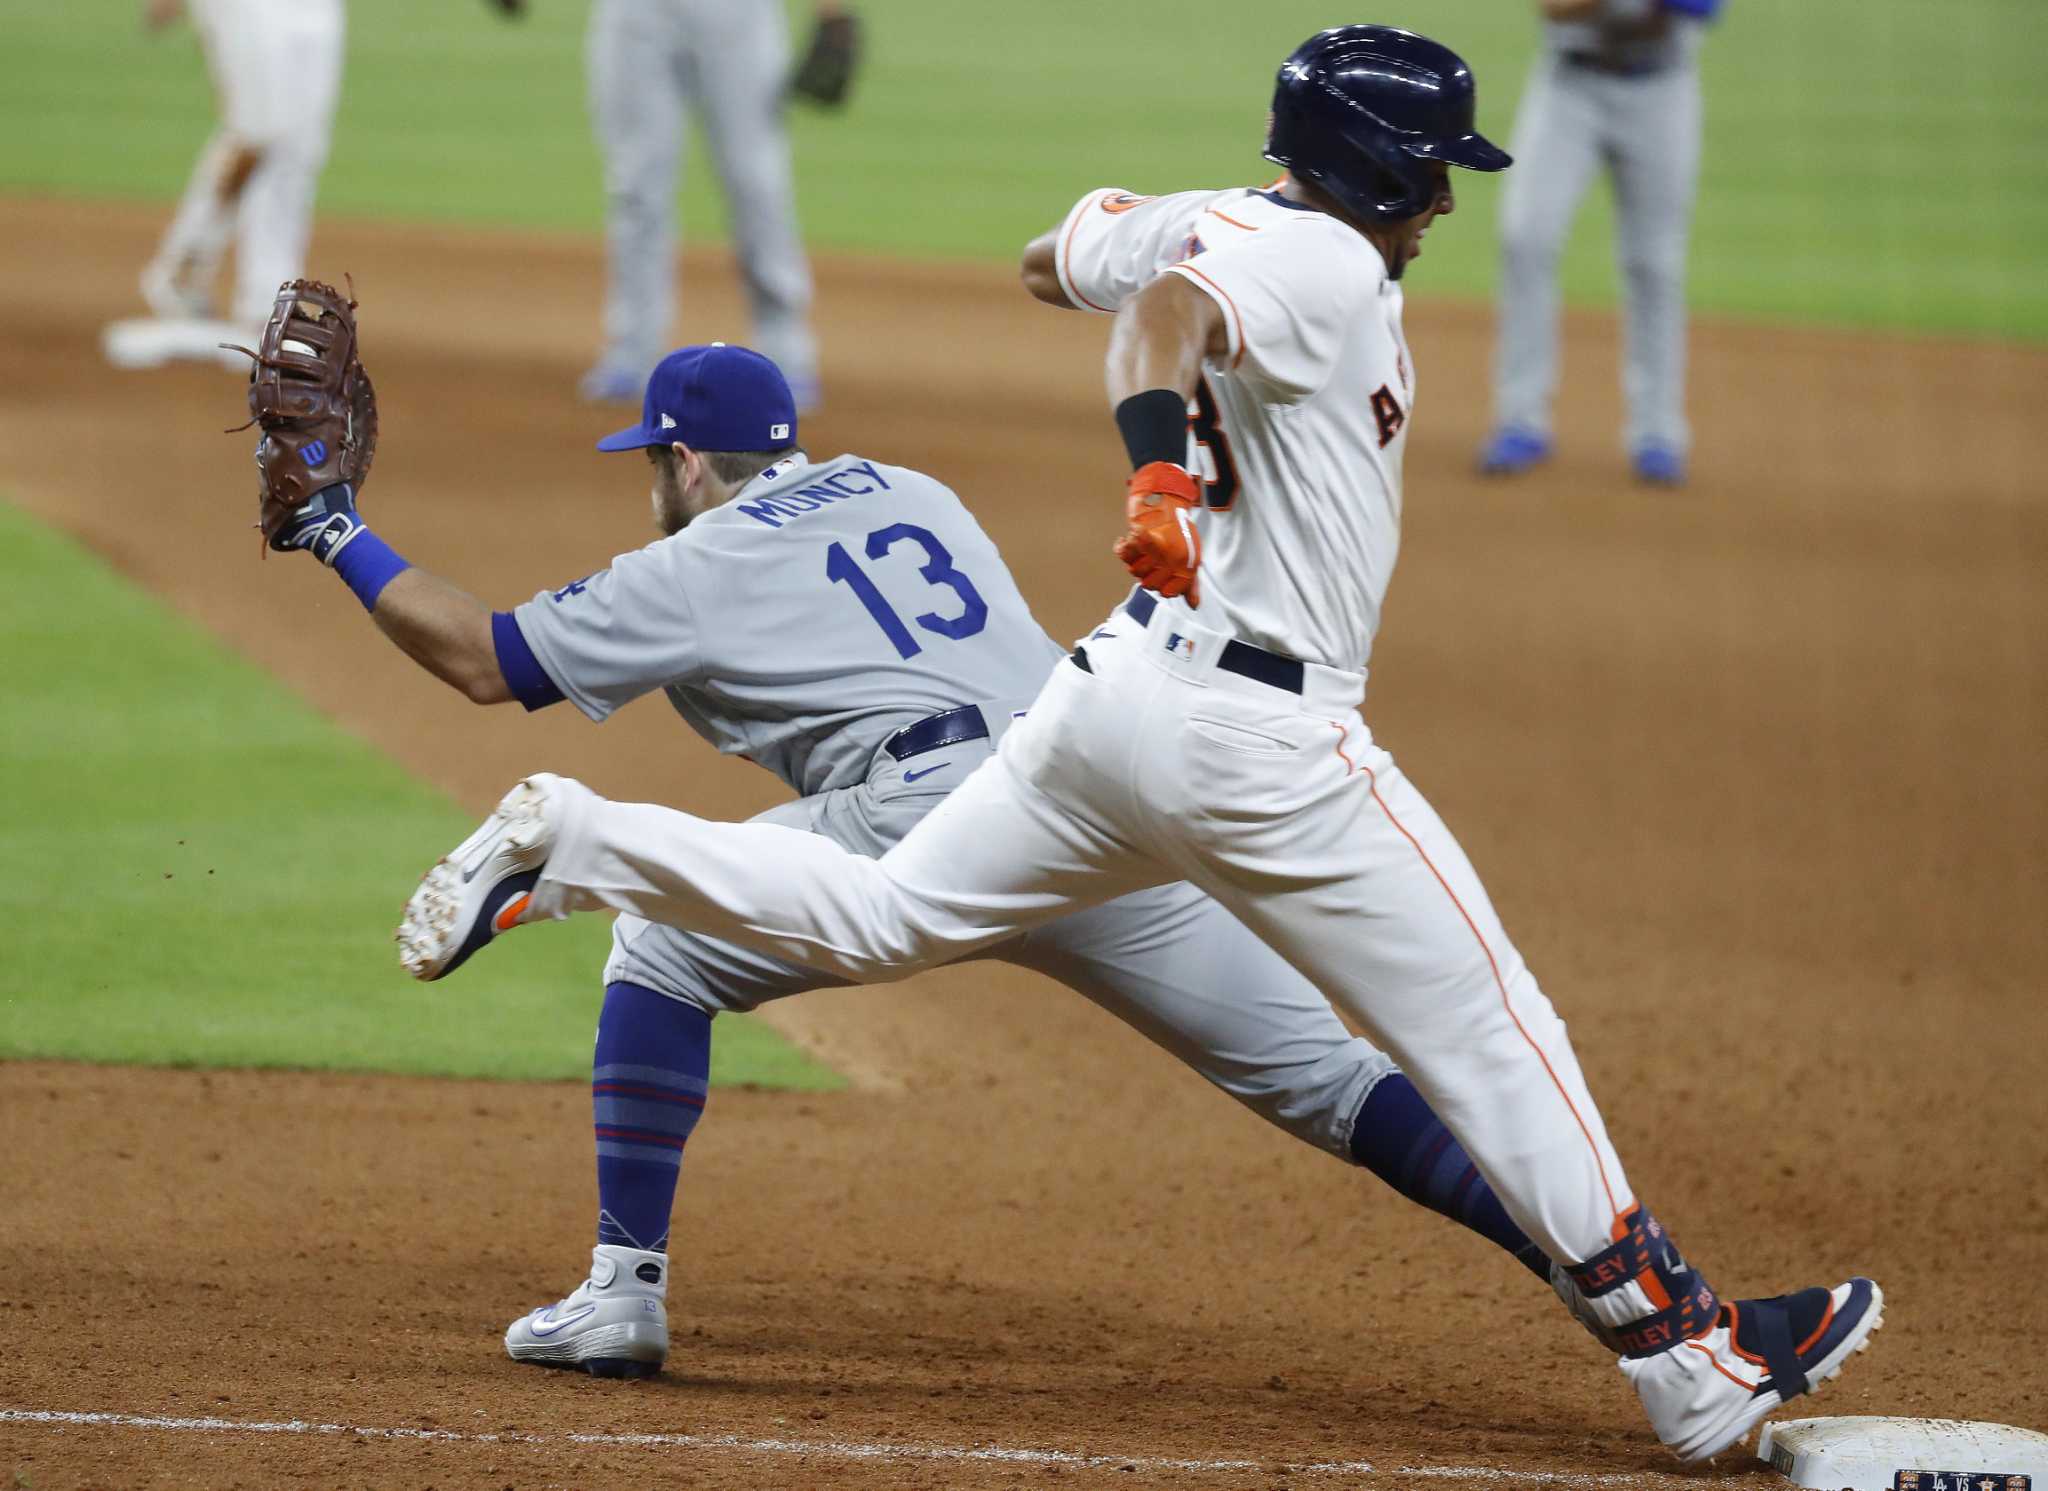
(647, 1087)
(1399, 1138)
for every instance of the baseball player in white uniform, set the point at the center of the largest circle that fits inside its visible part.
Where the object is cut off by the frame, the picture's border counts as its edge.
(276, 70)
(1209, 730)
(847, 625)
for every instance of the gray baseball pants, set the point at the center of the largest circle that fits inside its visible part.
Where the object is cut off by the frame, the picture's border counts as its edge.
(651, 62)
(1646, 132)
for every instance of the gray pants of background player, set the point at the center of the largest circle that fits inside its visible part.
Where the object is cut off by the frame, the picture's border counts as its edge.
(651, 62)
(1169, 962)
(1646, 132)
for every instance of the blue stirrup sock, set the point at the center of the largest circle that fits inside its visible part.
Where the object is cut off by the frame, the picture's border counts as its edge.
(1399, 1138)
(647, 1087)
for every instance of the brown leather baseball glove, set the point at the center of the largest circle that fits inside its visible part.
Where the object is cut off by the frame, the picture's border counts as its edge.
(311, 396)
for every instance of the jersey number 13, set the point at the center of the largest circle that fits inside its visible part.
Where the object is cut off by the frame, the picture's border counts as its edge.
(841, 568)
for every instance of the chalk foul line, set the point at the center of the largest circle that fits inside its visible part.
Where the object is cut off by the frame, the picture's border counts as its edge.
(826, 1448)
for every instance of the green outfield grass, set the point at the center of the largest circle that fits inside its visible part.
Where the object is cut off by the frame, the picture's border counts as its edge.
(188, 880)
(1868, 162)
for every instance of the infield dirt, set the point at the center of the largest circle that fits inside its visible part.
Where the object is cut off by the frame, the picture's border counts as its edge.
(1755, 773)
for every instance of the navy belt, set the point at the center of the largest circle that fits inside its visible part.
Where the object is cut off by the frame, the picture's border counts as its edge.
(1275, 670)
(936, 732)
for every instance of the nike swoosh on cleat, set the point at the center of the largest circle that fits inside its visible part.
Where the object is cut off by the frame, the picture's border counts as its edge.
(546, 1324)
(911, 776)
(484, 854)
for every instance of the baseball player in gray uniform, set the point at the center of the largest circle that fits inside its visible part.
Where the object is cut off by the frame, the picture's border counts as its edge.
(1616, 85)
(847, 625)
(726, 61)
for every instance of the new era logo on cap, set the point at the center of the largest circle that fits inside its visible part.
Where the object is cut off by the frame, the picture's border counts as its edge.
(667, 423)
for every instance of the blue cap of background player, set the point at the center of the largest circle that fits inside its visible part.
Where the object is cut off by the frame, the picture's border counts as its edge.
(713, 398)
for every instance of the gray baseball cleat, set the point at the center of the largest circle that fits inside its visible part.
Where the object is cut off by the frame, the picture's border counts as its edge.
(613, 1324)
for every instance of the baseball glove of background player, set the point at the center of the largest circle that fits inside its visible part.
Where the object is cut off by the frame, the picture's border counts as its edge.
(825, 74)
(311, 396)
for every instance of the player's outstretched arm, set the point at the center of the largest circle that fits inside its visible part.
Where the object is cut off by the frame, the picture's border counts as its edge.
(312, 398)
(445, 630)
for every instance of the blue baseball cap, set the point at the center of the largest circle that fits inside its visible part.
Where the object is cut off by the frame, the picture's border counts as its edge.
(716, 397)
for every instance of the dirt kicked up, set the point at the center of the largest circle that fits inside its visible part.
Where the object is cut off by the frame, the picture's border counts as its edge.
(1754, 772)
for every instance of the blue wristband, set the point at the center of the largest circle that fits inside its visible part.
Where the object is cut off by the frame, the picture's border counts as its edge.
(366, 565)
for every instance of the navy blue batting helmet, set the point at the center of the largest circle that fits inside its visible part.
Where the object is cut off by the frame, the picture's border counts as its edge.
(1361, 110)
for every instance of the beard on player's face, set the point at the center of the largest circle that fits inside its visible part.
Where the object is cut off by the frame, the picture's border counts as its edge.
(672, 512)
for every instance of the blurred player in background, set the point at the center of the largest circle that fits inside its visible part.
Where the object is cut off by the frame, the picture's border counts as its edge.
(1616, 85)
(727, 61)
(276, 68)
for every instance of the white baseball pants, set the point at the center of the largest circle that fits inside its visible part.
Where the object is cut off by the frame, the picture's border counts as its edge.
(277, 79)
(1154, 765)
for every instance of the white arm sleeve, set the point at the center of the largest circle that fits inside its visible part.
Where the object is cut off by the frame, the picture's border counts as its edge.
(1289, 296)
(1112, 245)
(617, 634)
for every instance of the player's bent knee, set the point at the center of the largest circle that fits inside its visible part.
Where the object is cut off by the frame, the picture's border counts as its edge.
(239, 162)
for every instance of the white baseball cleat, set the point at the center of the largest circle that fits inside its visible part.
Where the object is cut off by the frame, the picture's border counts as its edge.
(612, 1325)
(171, 297)
(1704, 1395)
(151, 341)
(480, 889)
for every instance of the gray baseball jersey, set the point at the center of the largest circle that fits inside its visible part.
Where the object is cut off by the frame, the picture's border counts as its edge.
(823, 608)
(1618, 92)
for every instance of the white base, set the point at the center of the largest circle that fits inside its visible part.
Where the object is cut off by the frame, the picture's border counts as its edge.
(1887, 1454)
(152, 341)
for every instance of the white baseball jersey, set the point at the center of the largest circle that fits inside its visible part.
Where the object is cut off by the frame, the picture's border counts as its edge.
(1155, 755)
(1298, 430)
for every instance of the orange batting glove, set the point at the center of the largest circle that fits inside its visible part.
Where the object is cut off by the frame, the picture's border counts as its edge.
(1163, 548)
